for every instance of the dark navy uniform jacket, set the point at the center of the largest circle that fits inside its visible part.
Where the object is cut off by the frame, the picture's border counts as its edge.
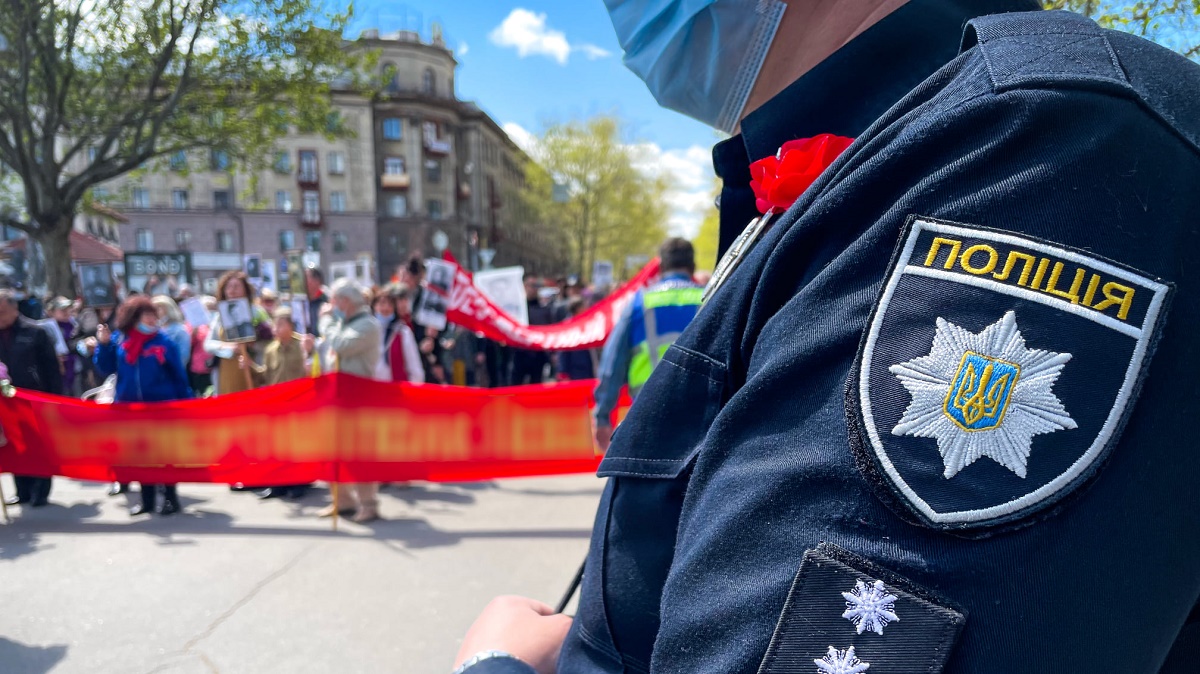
(843, 410)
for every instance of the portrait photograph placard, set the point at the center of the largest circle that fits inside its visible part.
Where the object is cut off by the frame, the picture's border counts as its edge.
(440, 275)
(237, 319)
(431, 311)
(96, 284)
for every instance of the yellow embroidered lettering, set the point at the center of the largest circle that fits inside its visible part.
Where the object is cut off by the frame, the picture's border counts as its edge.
(1011, 262)
(1125, 300)
(1091, 291)
(1040, 273)
(955, 246)
(965, 261)
(1073, 293)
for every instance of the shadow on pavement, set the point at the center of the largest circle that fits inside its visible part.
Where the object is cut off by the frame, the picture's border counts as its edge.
(21, 537)
(26, 542)
(21, 659)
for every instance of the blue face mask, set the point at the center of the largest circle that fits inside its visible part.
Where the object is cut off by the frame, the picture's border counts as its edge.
(339, 314)
(146, 329)
(698, 57)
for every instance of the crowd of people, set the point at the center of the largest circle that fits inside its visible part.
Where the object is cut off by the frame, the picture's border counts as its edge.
(145, 350)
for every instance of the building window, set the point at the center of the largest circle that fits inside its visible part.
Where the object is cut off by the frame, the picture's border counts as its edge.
(393, 166)
(179, 161)
(397, 206)
(224, 241)
(312, 241)
(183, 239)
(283, 162)
(339, 242)
(287, 240)
(283, 201)
(337, 202)
(312, 206)
(391, 77)
(141, 197)
(92, 154)
(179, 199)
(218, 160)
(433, 170)
(435, 209)
(429, 82)
(221, 200)
(333, 122)
(145, 240)
(100, 194)
(337, 163)
(391, 129)
(308, 166)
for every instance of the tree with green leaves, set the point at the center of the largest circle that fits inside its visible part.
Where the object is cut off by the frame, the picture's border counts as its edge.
(708, 238)
(95, 89)
(1175, 24)
(592, 189)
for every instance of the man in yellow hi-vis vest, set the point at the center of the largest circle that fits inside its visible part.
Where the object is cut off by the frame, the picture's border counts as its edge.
(652, 322)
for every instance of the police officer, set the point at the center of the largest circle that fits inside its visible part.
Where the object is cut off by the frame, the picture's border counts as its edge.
(939, 418)
(655, 318)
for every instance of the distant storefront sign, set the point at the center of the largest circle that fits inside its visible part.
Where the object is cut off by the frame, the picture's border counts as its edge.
(157, 273)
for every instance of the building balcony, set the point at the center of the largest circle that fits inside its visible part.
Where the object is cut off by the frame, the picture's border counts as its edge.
(308, 179)
(433, 144)
(311, 219)
(437, 146)
(394, 181)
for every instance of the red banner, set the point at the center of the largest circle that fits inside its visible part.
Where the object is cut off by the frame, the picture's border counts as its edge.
(334, 428)
(471, 309)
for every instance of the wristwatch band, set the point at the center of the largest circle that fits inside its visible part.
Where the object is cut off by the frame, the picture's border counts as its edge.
(480, 657)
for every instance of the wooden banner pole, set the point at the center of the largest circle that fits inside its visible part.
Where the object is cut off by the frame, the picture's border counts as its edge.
(336, 507)
(248, 363)
(4, 505)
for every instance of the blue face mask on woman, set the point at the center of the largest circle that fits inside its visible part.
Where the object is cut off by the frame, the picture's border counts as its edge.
(147, 329)
(698, 57)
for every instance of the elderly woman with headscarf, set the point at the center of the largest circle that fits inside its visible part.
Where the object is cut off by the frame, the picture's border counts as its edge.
(352, 337)
(172, 325)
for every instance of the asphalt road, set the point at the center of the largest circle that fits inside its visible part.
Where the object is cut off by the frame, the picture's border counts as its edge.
(233, 584)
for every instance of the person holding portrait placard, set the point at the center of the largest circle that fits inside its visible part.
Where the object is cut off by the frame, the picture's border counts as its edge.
(226, 343)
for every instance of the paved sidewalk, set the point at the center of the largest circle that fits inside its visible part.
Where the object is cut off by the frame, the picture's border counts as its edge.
(235, 584)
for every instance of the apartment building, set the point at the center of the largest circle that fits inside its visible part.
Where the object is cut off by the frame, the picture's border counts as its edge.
(420, 170)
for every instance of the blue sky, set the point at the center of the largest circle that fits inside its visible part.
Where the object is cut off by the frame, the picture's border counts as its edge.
(533, 62)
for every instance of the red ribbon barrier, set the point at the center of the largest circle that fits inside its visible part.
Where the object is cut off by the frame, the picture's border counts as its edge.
(336, 428)
(472, 309)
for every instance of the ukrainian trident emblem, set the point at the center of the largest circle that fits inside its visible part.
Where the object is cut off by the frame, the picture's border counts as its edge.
(982, 395)
(979, 395)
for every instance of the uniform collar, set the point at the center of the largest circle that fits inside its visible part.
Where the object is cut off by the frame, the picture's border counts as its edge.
(846, 92)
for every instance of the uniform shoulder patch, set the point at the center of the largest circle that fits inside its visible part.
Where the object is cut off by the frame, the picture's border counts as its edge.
(845, 615)
(996, 372)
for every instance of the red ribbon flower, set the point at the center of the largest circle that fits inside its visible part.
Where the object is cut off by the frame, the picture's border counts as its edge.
(778, 181)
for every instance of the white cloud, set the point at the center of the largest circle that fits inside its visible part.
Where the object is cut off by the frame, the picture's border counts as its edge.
(463, 48)
(689, 170)
(528, 33)
(592, 52)
(523, 138)
(691, 174)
